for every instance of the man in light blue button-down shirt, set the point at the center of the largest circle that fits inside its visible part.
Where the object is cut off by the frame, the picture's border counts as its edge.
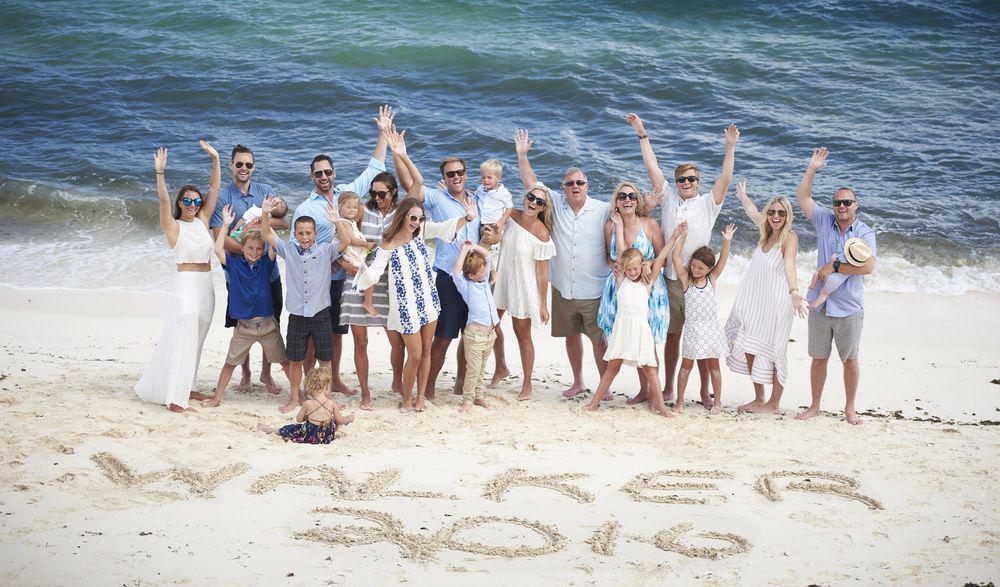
(324, 195)
(580, 268)
(840, 318)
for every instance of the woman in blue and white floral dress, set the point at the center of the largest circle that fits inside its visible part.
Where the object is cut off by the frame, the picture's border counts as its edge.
(413, 299)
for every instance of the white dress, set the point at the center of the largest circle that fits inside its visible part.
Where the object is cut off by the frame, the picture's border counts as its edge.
(413, 297)
(172, 373)
(761, 319)
(703, 335)
(516, 289)
(631, 337)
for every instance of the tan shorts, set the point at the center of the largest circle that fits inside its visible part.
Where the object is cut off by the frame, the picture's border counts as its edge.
(571, 317)
(675, 299)
(262, 330)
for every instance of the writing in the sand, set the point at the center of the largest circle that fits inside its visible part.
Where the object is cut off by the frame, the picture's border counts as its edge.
(668, 486)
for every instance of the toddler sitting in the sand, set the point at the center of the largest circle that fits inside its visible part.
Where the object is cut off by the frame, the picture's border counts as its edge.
(319, 415)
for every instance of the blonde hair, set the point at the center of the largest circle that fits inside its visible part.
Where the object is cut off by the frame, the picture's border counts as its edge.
(492, 167)
(630, 257)
(680, 169)
(545, 214)
(318, 380)
(765, 226)
(251, 235)
(348, 197)
(640, 207)
(474, 261)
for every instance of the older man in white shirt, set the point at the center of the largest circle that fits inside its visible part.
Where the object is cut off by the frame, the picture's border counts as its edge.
(699, 209)
(580, 268)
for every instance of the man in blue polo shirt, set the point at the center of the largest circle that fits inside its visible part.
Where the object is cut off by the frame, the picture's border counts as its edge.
(242, 194)
(838, 319)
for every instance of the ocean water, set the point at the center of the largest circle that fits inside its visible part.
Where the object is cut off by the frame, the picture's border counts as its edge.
(904, 94)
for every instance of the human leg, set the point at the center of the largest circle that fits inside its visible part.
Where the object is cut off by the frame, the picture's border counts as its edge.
(758, 390)
(568, 323)
(500, 369)
(451, 320)
(522, 330)
(339, 330)
(715, 372)
(414, 353)
(607, 378)
(820, 346)
(427, 340)
(703, 379)
(655, 394)
(396, 353)
(360, 336)
(852, 375)
(682, 380)
(675, 328)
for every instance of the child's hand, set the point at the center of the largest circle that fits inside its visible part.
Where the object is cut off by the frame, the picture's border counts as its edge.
(228, 216)
(680, 230)
(727, 234)
(521, 141)
(160, 159)
(466, 246)
(208, 149)
(266, 206)
(647, 271)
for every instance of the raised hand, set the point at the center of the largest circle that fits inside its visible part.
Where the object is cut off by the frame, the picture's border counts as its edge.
(655, 197)
(818, 160)
(616, 219)
(208, 149)
(636, 122)
(332, 214)
(741, 189)
(681, 229)
(385, 116)
(267, 205)
(395, 140)
(471, 210)
(160, 159)
(732, 135)
(521, 141)
(228, 216)
(727, 234)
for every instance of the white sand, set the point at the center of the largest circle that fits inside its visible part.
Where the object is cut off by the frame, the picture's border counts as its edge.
(201, 497)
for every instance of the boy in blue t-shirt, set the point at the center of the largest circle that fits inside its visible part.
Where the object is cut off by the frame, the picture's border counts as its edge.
(249, 303)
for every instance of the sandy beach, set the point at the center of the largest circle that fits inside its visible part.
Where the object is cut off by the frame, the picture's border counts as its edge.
(98, 487)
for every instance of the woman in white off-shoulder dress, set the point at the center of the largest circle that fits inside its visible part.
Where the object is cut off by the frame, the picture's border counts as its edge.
(522, 281)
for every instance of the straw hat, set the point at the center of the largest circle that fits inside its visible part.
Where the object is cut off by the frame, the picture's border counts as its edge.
(857, 251)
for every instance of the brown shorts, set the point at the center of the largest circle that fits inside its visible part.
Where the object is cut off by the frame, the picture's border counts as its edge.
(571, 317)
(263, 330)
(675, 299)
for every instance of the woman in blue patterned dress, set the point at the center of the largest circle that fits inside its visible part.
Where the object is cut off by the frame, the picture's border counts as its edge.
(644, 234)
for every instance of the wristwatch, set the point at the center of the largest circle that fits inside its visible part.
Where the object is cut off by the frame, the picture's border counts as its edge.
(836, 266)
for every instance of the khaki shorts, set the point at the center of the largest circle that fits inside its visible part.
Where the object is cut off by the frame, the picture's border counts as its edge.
(571, 317)
(262, 330)
(675, 299)
(845, 331)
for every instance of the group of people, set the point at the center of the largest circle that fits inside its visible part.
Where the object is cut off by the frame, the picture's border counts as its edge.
(357, 259)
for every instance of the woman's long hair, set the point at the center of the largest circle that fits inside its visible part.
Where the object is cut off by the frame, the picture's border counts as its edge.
(401, 217)
(180, 196)
(545, 214)
(765, 226)
(640, 205)
(390, 183)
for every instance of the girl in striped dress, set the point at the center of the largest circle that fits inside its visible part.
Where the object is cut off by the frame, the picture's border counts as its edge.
(766, 303)
(704, 340)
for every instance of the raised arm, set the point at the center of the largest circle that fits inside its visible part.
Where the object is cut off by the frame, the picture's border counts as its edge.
(678, 238)
(460, 261)
(748, 206)
(220, 237)
(208, 206)
(648, 156)
(383, 122)
(804, 193)
(167, 221)
(522, 144)
(270, 236)
(397, 144)
(668, 249)
(727, 237)
(721, 187)
(789, 250)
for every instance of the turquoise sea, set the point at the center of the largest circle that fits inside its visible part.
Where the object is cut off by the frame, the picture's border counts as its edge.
(903, 93)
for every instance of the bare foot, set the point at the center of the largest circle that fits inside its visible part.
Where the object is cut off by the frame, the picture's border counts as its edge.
(397, 387)
(524, 395)
(678, 407)
(366, 404)
(716, 409)
(285, 408)
(661, 409)
(762, 409)
(639, 398)
(198, 396)
(482, 404)
(262, 428)
(429, 393)
(341, 387)
(370, 308)
(707, 401)
(668, 395)
(421, 404)
(591, 407)
(607, 396)
(852, 417)
(269, 384)
(244, 385)
(754, 404)
(810, 413)
(499, 375)
(405, 408)
(573, 390)
(177, 409)
(211, 403)
(457, 390)
(465, 407)
(346, 420)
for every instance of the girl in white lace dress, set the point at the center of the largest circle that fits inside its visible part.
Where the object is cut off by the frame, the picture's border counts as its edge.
(704, 341)
(523, 274)
(631, 341)
(172, 372)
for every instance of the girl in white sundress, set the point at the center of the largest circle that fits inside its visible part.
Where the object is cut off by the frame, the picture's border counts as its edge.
(631, 341)
(766, 303)
(704, 341)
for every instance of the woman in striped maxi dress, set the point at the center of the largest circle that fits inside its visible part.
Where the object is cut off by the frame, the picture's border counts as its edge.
(766, 303)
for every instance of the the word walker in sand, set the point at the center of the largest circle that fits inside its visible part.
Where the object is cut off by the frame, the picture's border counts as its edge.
(668, 486)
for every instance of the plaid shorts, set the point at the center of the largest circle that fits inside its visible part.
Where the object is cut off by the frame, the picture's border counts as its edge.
(301, 329)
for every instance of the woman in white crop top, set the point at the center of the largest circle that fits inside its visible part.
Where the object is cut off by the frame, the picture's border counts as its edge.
(170, 377)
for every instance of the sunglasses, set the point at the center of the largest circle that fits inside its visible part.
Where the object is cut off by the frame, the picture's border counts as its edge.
(622, 196)
(419, 219)
(571, 183)
(845, 203)
(241, 164)
(378, 195)
(321, 172)
(536, 199)
(456, 173)
(781, 213)
(189, 201)
(688, 179)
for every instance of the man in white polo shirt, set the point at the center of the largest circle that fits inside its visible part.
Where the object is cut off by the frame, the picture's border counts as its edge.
(700, 209)
(580, 268)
